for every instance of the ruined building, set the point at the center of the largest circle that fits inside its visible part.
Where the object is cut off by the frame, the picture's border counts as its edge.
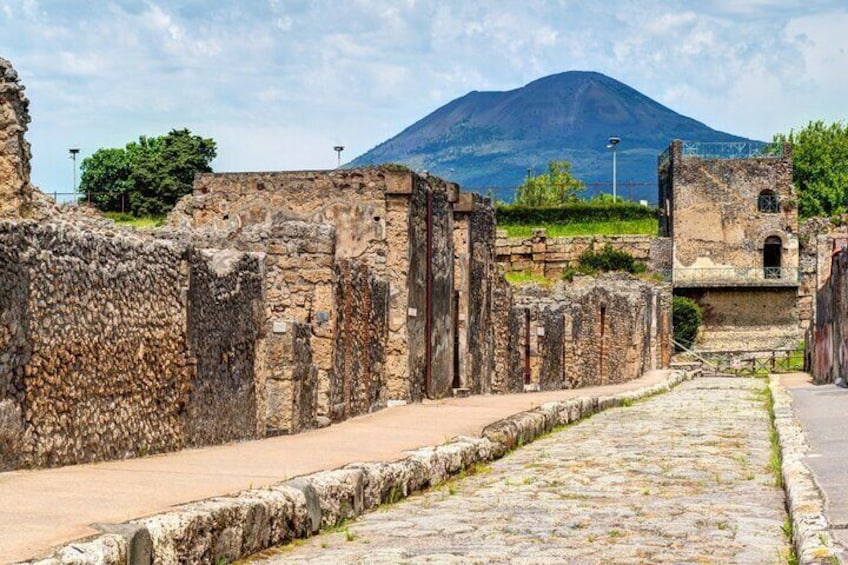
(376, 279)
(732, 214)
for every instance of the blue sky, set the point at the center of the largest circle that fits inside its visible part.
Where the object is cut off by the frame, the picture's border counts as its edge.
(278, 83)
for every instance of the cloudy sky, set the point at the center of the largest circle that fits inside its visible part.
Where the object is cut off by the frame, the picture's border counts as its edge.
(278, 83)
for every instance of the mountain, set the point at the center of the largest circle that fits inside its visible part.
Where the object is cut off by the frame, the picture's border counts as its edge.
(489, 140)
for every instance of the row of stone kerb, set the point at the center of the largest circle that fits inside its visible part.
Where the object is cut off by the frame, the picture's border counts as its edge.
(228, 528)
(804, 501)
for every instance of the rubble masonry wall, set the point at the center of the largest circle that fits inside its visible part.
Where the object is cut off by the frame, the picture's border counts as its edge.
(97, 346)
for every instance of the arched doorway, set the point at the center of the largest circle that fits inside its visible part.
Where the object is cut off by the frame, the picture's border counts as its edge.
(772, 252)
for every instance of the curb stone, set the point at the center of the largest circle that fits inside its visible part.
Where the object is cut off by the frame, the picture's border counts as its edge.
(804, 501)
(233, 527)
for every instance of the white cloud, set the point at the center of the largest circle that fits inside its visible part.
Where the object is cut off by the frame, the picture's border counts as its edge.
(277, 83)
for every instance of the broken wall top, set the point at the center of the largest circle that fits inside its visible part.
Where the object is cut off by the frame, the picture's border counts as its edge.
(15, 189)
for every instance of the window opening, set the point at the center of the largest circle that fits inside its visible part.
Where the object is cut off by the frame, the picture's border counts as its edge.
(772, 251)
(768, 202)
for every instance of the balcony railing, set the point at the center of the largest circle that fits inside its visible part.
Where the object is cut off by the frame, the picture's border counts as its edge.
(731, 149)
(735, 276)
(769, 203)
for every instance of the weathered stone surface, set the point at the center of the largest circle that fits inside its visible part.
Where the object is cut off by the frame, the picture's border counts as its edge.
(107, 549)
(15, 188)
(552, 256)
(113, 345)
(592, 331)
(679, 478)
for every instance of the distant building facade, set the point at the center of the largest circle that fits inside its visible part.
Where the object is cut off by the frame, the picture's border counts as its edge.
(732, 214)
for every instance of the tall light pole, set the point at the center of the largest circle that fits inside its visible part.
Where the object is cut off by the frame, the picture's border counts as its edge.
(338, 149)
(74, 151)
(613, 141)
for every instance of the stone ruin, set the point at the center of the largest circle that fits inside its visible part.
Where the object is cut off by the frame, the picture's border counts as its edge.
(273, 303)
(15, 188)
(590, 332)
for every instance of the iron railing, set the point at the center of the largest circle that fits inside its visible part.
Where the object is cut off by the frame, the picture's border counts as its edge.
(769, 203)
(735, 276)
(756, 362)
(731, 149)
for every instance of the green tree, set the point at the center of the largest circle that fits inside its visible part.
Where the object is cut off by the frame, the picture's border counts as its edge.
(146, 177)
(820, 167)
(552, 188)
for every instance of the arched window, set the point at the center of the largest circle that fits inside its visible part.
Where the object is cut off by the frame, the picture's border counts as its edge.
(768, 202)
(772, 251)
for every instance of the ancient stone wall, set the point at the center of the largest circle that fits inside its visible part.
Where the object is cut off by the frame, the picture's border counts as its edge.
(594, 331)
(362, 301)
(15, 188)
(482, 272)
(827, 341)
(747, 318)
(295, 362)
(97, 357)
(225, 311)
(385, 219)
(551, 256)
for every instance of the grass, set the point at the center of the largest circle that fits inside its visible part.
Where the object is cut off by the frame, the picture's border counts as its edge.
(526, 277)
(131, 221)
(646, 226)
(775, 463)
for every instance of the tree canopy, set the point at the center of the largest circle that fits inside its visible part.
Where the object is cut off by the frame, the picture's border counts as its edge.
(552, 188)
(148, 176)
(820, 167)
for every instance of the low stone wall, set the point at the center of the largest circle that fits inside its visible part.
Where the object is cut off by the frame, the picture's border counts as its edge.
(229, 528)
(551, 256)
(114, 346)
(593, 331)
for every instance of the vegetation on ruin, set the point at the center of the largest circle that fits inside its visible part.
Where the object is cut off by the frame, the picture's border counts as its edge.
(126, 219)
(606, 260)
(555, 187)
(820, 167)
(527, 277)
(686, 317)
(595, 217)
(148, 176)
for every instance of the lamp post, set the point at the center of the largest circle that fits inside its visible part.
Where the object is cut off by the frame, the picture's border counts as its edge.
(613, 141)
(73, 156)
(338, 149)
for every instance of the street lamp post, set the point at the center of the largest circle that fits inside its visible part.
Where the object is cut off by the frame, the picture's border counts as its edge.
(613, 141)
(338, 149)
(73, 155)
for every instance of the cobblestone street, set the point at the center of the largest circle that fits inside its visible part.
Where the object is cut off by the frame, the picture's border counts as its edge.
(679, 478)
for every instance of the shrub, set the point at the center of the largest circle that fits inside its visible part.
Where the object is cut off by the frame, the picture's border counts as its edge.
(686, 318)
(609, 259)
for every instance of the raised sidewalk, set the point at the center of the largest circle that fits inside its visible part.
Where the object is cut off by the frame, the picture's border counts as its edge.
(43, 509)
